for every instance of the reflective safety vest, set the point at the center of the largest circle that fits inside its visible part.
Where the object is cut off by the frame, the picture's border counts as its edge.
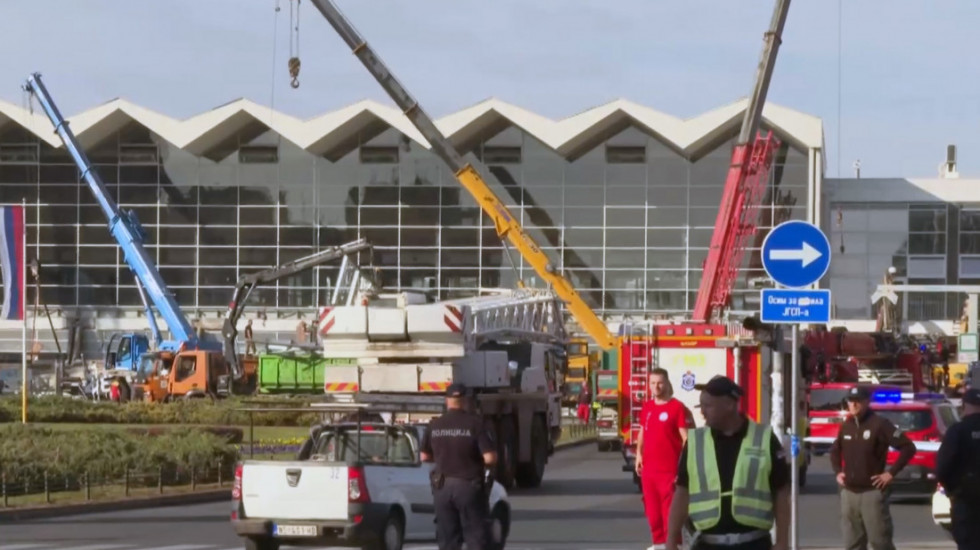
(751, 496)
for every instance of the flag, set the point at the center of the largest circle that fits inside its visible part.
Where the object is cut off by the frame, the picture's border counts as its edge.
(13, 258)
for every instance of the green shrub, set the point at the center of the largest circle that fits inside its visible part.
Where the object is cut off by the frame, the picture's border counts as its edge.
(28, 452)
(222, 412)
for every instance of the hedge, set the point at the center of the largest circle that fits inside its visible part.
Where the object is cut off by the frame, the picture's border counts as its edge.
(28, 453)
(196, 411)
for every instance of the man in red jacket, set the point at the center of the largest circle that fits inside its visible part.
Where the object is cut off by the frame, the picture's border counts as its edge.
(664, 422)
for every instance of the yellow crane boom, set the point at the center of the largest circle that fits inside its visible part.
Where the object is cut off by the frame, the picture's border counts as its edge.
(504, 222)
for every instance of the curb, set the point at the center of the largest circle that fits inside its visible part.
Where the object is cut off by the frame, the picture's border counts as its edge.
(42, 512)
(200, 497)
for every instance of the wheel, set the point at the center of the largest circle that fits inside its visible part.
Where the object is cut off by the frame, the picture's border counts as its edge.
(499, 527)
(261, 543)
(530, 474)
(393, 534)
(506, 451)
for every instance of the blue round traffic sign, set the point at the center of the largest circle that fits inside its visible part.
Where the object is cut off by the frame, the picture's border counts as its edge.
(796, 254)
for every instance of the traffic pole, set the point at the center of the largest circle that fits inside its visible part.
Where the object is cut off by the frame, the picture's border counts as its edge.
(794, 443)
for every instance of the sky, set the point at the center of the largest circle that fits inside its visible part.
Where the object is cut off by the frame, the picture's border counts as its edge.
(894, 81)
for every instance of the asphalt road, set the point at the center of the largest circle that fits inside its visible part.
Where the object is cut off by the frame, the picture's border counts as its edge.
(586, 502)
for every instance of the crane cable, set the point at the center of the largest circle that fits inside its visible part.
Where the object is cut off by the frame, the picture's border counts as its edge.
(294, 62)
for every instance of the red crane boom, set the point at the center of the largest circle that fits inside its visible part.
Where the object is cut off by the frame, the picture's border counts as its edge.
(748, 176)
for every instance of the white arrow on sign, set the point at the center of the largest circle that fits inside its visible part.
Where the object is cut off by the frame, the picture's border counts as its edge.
(878, 295)
(807, 254)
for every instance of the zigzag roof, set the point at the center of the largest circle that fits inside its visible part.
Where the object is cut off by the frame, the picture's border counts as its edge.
(330, 134)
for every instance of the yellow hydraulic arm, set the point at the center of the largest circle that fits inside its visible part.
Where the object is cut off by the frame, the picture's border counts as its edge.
(505, 223)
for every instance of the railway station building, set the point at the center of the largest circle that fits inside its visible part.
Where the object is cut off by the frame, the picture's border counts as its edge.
(622, 197)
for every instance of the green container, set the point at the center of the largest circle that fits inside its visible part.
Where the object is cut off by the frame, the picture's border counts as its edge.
(610, 359)
(295, 373)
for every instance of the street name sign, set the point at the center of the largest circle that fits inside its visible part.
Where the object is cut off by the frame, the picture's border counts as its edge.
(791, 305)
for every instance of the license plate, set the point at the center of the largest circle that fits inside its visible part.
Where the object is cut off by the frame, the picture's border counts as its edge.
(294, 530)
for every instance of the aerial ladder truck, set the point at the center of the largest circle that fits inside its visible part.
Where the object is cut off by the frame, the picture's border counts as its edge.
(187, 365)
(709, 345)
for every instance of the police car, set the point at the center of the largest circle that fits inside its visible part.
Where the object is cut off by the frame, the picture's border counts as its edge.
(353, 484)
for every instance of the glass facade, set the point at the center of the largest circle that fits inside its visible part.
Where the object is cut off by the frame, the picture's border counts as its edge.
(927, 244)
(627, 218)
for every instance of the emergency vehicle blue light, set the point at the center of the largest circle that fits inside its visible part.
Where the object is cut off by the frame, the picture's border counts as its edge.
(887, 396)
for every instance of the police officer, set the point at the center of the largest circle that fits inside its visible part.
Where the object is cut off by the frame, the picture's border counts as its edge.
(859, 459)
(722, 485)
(464, 454)
(958, 470)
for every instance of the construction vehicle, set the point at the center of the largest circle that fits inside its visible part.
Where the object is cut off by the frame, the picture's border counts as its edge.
(188, 365)
(508, 349)
(578, 372)
(709, 344)
(506, 224)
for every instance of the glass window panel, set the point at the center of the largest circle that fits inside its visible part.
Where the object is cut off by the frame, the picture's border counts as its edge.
(219, 215)
(52, 194)
(129, 296)
(220, 236)
(145, 175)
(213, 276)
(626, 195)
(421, 279)
(219, 196)
(667, 238)
(921, 219)
(94, 295)
(666, 301)
(256, 215)
(585, 278)
(178, 215)
(666, 259)
(707, 196)
(257, 256)
(970, 220)
(419, 195)
(258, 236)
(94, 234)
(625, 217)
(56, 255)
(578, 237)
(624, 258)
(452, 236)
(264, 195)
(668, 217)
(585, 217)
(18, 173)
(669, 197)
(418, 215)
(460, 278)
(219, 297)
(585, 195)
(626, 279)
(187, 255)
(59, 174)
(544, 196)
(420, 237)
(379, 215)
(178, 276)
(59, 215)
(177, 234)
(461, 258)
(420, 257)
(969, 243)
(383, 236)
(927, 243)
(138, 194)
(102, 276)
(666, 280)
(146, 215)
(625, 237)
(582, 257)
(670, 170)
(296, 236)
(704, 217)
(61, 295)
(12, 193)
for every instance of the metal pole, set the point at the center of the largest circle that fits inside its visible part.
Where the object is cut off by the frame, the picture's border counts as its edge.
(778, 421)
(795, 445)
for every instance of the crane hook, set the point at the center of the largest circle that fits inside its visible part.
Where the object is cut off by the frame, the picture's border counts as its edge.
(294, 71)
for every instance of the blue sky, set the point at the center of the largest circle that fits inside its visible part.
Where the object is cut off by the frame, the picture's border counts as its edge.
(909, 83)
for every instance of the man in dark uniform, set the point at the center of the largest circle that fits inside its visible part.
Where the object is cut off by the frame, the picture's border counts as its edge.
(859, 457)
(958, 470)
(733, 480)
(464, 453)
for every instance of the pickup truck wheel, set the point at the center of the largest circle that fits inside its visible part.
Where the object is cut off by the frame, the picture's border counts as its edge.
(256, 543)
(393, 534)
(499, 527)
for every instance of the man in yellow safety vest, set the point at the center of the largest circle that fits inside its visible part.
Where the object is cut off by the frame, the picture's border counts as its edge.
(733, 480)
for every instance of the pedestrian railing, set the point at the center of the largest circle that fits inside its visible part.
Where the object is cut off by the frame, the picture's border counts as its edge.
(46, 488)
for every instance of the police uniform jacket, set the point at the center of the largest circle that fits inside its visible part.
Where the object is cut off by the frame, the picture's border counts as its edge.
(456, 441)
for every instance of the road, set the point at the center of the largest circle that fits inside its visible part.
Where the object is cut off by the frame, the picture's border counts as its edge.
(586, 502)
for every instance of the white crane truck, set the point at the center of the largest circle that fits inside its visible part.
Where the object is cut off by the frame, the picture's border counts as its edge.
(508, 349)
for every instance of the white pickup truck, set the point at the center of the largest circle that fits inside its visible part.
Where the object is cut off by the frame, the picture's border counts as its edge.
(353, 487)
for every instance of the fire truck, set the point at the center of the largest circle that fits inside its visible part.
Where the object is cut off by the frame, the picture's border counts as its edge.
(708, 344)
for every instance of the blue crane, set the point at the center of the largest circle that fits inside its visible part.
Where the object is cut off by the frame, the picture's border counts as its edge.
(126, 229)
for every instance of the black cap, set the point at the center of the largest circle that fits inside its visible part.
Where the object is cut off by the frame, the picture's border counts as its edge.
(720, 386)
(972, 397)
(456, 389)
(858, 393)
